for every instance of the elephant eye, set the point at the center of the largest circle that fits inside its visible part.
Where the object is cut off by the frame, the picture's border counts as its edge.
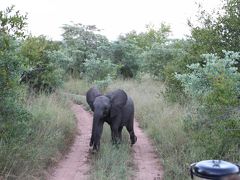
(105, 110)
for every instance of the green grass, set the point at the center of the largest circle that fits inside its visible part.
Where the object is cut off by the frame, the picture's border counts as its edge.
(45, 137)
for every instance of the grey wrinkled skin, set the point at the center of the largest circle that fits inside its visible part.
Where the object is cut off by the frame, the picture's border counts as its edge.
(115, 108)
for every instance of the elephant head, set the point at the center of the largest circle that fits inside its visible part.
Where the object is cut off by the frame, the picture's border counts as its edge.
(105, 108)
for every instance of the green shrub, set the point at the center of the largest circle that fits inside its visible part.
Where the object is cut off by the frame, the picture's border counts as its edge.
(213, 122)
(100, 71)
(81, 42)
(156, 59)
(174, 90)
(103, 84)
(126, 56)
(43, 72)
(12, 31)
(216, 83)
(43, 79)
(60, 59)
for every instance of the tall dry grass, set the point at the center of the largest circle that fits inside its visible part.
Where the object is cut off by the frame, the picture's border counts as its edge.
(76, 86)
(45, 137)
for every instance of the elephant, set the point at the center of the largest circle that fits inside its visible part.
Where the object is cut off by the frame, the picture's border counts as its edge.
(115, 108)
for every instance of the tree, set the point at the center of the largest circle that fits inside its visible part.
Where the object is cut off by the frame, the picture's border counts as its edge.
(43, 72)
(212, 33)
(35, 48)
(128, 50)
(13, 116)
(152, 35)
(126, 56)
(12, 31)
(81, 42)
(217, 31)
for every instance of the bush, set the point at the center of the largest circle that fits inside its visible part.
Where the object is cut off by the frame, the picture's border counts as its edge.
(13, 118)
(100, 71)
(126, 55)
(60, 59)
(43, 79)
(213, 123)
(80, 43)
(43, 72)
(174, 90)
(156, 59)
(216, 83)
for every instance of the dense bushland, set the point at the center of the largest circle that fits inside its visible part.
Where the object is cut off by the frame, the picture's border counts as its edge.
(200, 72)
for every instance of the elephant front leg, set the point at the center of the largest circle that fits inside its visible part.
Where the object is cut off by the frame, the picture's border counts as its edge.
(115, 136)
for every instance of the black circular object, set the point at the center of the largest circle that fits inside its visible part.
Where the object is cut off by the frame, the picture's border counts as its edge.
(214, 169)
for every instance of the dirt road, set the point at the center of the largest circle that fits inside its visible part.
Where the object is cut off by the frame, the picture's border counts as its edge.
(146, 160)
(76, 164)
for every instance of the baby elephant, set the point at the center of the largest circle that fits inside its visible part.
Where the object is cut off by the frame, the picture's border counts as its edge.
(115, 108)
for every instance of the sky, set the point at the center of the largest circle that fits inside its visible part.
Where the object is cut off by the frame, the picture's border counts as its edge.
(114, 17)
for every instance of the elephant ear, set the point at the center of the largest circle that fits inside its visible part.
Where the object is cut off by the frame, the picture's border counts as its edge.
(91, 95)
(118, 100)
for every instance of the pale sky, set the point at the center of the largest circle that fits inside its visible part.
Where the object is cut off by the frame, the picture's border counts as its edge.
(113, 16)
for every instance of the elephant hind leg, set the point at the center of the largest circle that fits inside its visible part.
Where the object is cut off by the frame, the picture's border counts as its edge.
(120, 133)
(133, 137)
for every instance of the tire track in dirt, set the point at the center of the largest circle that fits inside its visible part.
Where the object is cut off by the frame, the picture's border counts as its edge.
(76, 164)
(146, 160)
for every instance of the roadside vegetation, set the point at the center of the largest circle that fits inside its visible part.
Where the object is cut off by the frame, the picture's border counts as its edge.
(186, 91)
(44, 131)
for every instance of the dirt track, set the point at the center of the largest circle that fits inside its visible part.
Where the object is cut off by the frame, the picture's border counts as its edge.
(76, 164)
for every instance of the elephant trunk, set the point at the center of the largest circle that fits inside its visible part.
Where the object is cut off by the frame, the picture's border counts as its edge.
(97, 128)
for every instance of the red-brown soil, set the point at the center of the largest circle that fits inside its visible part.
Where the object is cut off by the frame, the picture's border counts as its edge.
(76, 164)
(145, 157)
